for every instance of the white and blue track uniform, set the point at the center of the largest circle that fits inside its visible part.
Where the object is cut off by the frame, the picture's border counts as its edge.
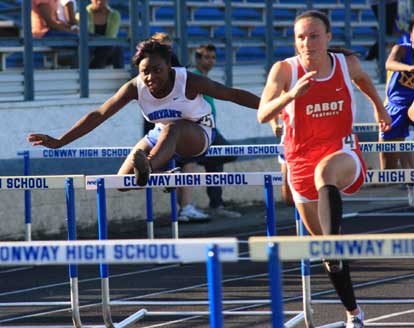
(174, 106)
(400, 96)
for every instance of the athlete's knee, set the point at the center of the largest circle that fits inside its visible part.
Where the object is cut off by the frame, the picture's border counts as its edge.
(324, 174)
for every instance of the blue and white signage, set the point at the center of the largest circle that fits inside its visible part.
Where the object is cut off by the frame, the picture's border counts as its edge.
(115, 251)
(187, 179)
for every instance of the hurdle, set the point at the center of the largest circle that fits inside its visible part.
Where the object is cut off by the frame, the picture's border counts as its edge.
(266, 179)
(213, 151)
(212, 251)
(334, 247)
(69, 183)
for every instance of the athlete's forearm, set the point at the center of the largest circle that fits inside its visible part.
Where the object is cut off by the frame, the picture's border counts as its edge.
(269, 111)
(396, 66)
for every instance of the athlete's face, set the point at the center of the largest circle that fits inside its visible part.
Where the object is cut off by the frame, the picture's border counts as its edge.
(311, 39)
(154, 72)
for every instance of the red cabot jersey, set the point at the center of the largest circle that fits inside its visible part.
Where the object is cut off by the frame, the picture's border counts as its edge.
(317, 124)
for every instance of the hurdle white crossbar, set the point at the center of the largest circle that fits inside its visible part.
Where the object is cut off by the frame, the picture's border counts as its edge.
(185, 179)
(40, 182)
(373, 246)
(213, 151)
(114, 251)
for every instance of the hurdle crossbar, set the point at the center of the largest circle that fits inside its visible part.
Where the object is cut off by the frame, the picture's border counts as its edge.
(373, 246)
(213, 151)
(40, 182)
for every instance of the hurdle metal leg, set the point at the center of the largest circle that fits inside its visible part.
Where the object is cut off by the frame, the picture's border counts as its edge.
(305, 269)
(73, 268)
(275, 281)
(271, 231)
(270, 206)
(214, 287)
(104, 271)
(173, 202)
(150, 216)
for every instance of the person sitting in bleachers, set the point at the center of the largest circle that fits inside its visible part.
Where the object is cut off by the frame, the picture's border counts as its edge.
(104, 21)
(45, 22)
(66, 12)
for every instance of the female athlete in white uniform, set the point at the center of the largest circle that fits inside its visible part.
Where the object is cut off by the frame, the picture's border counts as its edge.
(169, 97)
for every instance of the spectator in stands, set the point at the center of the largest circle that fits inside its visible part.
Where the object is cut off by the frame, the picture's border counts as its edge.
(399, 104)
(169, 96)
(205, 57)
(187, 211)
(45, 22)
(315, 92)
(391, 14)
(104, 21)
(66, 12)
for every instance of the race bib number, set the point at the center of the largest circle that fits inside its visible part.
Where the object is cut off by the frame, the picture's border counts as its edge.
(207, 120)
(350, 142)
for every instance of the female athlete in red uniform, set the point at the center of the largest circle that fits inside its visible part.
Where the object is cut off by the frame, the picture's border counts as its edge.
(315, 93)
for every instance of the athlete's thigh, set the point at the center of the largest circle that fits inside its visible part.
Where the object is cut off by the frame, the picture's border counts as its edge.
(191, 138)
(338, 169)
(309, 215)
(410, 113)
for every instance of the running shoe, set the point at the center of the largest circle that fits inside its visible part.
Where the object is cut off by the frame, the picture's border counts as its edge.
(142, 167)
(355, 321)
(190, 213)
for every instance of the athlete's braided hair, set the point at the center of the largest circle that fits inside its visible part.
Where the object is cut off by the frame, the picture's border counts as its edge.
(150, 47)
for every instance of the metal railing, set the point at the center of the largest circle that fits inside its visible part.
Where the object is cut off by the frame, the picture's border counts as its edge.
(139, 28)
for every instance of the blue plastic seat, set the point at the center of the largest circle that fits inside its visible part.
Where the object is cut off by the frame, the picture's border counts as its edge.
(197, 31)
(165, 13)
(246, 14)
(364, 32)
(368, 15)
(260, 31)
(220, 55)
(247, 54)
(235, 32)
(338, 33)
(339, 15)
(283, 52)
(283, 14)
(209, 14)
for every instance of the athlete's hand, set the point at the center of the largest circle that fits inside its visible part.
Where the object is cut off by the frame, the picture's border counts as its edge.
(43, 140)
(383, 119)
(302, 85)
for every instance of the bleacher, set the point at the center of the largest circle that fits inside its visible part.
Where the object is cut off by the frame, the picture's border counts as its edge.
(206, 23)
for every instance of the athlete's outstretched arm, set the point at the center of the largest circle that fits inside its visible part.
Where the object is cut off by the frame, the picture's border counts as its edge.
(91, 120)
(364, 83)
(198, 84)
(276, 94)
(394, 60)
